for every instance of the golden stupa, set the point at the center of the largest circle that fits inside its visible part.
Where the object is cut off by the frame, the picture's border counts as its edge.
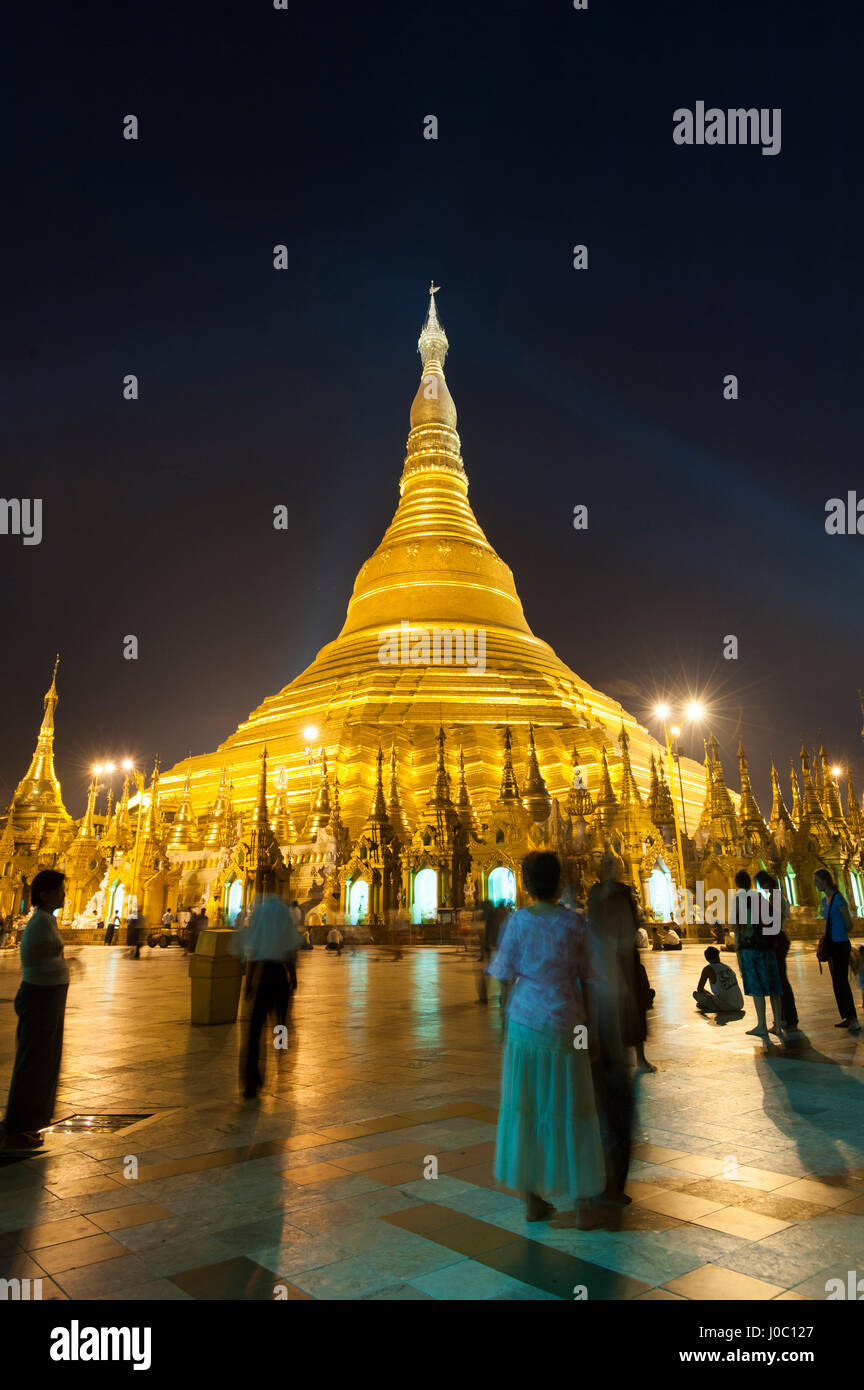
(434, 572)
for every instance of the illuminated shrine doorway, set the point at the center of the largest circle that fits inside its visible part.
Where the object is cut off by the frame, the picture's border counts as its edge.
(425, 907)
(234, 900)
(857, 890)
(115, 902)
(661, 892)
(502, 885)
(358, 901)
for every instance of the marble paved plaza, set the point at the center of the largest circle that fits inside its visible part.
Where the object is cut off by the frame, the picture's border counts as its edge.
(748, 1181)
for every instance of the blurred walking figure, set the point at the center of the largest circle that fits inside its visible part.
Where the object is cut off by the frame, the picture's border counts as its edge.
(760, 973)
(112, 927)
(548, 1134)
(133, 935)
(835, 947)
(619, 999)
(197, 923)
(780, 944)
(41, 1008)
(269, 946)
(494, 917)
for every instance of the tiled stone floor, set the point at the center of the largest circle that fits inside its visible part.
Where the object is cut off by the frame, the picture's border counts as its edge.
(747, 1183)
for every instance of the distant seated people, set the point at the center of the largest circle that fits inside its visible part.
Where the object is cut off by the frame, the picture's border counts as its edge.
(671, 939)
(724, 995)
(642, 942)
(335, 940)
(656, 939)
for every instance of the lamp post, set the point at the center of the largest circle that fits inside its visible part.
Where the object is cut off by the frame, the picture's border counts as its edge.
(693, 712)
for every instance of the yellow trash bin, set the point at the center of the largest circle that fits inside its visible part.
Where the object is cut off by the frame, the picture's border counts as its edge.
(215, 977)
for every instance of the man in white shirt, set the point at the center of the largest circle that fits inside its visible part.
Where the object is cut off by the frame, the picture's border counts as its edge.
(41, 1008)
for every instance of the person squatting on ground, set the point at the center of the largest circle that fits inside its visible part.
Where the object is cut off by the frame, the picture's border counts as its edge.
(835, 947)
(724, 995)
(548, 1140)
(269, 946)
(41, 1008)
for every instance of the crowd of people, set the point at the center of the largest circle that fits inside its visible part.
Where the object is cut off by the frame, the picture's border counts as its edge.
(577, 996)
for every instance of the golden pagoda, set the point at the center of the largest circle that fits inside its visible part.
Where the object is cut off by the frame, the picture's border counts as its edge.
(435, 635)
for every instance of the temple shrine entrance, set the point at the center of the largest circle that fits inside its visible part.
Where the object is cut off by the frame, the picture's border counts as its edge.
(502, 885)
(233, 901)
(425, 905)
(661, 892)
(358, 901)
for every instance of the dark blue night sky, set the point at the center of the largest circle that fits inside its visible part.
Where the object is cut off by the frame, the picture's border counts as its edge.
(602, 387)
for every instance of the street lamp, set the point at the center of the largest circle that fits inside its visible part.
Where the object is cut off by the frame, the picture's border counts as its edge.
(694, 712)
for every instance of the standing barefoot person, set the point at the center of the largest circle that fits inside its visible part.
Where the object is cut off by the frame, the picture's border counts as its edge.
(760, 974)
(835, 910)
(41, 1008)
(548, 1135)
(620, 997)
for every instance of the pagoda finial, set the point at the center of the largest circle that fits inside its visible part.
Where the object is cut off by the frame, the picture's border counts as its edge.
(395, 814)
(796, 793)
(260, 816)
(441, 790)
(630, 793)
(379, 805)
(509, 786)
(536, 799)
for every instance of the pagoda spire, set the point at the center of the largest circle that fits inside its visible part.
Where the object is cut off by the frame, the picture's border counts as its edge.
(630, 793)
(779, 813)
(395, 813)
(217, 822)
(184, 831)
(509, 787)
(260, 815)
(749, 815)
(38, 793)
(854, 819)
(283, 824)
(151, 825)
(378, 813)
(322, 811)
(796, 794)
(721, 801)
(88, 826)
(818, 779)
(536, 799)
(830, 796)
(811, 813)
(441, 789)
(607, 801)
(463, 798)
(262, 854)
